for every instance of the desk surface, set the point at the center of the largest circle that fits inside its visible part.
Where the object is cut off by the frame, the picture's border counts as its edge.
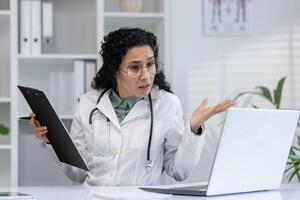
(286, 192)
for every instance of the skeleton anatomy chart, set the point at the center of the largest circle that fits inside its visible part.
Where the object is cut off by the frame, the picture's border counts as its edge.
(228, 17)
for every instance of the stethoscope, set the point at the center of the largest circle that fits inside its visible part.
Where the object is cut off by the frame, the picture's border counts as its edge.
(149, 163)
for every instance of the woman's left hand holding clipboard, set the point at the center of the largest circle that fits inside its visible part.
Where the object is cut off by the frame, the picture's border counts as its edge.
(38, 130)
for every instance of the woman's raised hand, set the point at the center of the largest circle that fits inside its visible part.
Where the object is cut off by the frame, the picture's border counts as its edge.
(204, 111)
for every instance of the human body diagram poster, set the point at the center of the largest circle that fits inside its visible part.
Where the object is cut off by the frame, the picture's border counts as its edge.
(228, 17)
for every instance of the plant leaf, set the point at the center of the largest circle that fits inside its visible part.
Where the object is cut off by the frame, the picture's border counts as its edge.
(288, 169)
(278, 92)
(3, 130)
(289, 173)
(296, 148)
(293, 174)
(246, 92)
(265, 92)
(294, 162)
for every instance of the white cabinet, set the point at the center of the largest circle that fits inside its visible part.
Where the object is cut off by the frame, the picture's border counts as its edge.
(78, 29)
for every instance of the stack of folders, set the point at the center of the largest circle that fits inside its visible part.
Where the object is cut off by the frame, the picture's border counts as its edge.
(36, 27)
(67, 86)
(84, 73)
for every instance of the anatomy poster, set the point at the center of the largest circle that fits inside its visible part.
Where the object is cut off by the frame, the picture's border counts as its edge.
(228, 17)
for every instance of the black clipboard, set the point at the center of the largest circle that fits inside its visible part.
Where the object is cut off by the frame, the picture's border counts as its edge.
(58, 135)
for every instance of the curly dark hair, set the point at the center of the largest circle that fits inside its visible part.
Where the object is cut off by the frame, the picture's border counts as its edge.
(115, 46)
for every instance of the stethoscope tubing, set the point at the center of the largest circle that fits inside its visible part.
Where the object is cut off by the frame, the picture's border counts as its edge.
(149, 161)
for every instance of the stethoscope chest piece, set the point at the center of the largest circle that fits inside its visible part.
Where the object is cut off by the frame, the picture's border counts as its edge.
(149, 166)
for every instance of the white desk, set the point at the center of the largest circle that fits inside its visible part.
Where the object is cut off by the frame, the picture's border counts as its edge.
(286, 192)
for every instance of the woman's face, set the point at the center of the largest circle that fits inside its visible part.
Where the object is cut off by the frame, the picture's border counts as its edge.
(133, 76)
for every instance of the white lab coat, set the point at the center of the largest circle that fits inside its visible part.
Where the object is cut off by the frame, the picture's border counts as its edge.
(174, 148)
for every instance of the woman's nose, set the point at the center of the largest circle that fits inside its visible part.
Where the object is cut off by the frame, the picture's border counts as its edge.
(145, 73)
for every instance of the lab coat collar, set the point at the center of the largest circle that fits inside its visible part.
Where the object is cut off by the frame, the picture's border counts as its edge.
(107, 109)
(155, 93)
(141, 107)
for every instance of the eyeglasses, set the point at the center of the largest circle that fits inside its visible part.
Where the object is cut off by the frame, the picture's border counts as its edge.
(134, 70)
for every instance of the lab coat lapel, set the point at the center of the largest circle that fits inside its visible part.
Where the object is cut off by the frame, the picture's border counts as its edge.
(141, 107)
(107, 109)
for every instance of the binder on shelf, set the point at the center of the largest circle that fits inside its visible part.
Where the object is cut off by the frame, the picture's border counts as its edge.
(54, 90)
(60, 92)
(79, 80)
(66, 93)
(90, 73)
(25, 32)
(47, 27)
(36, 27)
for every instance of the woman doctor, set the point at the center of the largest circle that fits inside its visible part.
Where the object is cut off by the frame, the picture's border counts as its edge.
(130, 128)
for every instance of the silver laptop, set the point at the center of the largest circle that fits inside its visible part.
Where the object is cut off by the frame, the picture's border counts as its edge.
(251, 155)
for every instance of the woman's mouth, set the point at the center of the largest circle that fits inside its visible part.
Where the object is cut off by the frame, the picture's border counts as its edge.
(144, 90)
(144, 86)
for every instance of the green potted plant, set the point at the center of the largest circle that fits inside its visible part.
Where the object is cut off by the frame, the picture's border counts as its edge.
(293, 163)
(4, 130)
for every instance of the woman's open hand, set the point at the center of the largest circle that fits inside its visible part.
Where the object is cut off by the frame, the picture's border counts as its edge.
(38, 130)
(204, 111)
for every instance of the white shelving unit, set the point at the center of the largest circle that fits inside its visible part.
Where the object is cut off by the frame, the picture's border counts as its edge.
(5, 147)
(4, 100)
(79, 27)
(4, 12)
(59, 57)
(5, 92)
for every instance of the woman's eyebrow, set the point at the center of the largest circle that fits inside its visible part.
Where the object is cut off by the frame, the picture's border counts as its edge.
(135, 62)
(139, 61)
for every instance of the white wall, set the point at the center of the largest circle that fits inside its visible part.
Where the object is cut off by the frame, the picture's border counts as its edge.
(190, 48)
(214, 67)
